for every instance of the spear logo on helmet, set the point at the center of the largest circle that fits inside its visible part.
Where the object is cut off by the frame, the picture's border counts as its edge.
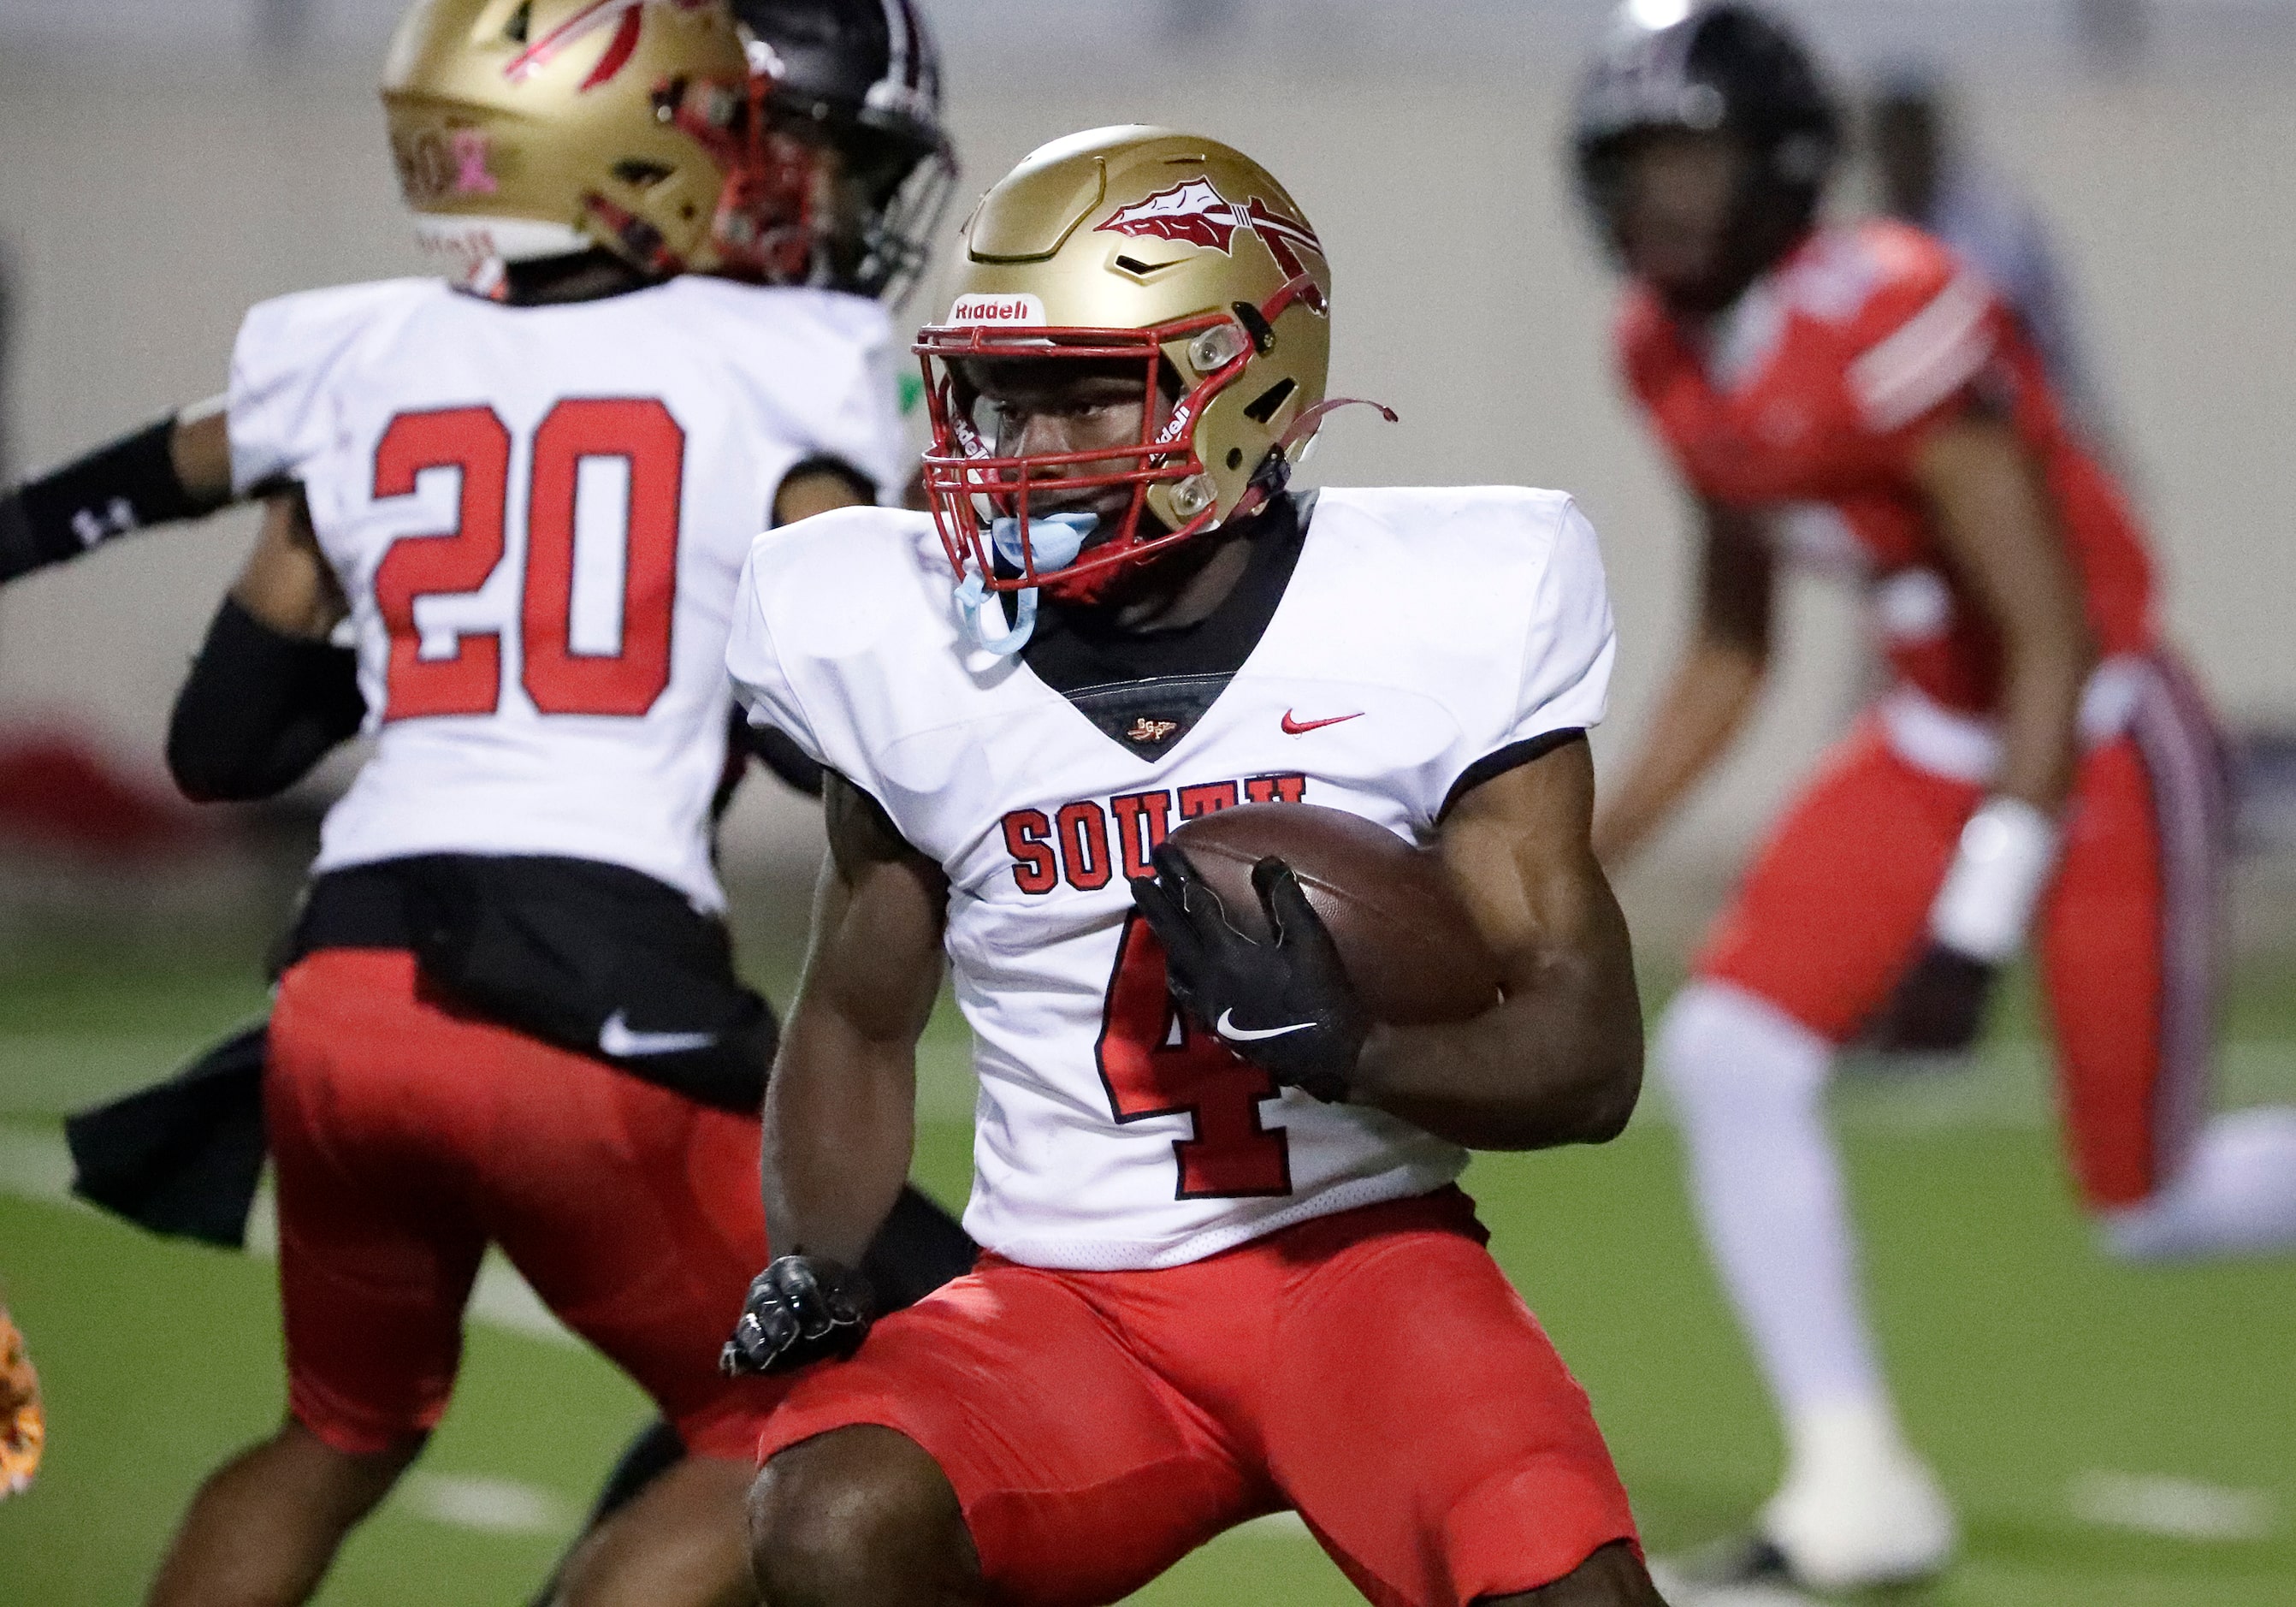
(1195, 213)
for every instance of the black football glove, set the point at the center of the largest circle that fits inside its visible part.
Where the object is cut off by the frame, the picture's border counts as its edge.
(1285, 1006)
(800, 1309)
(1939, 1006)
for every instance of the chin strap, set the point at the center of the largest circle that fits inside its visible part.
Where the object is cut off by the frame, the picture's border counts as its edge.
(1275, 474)
(1312, 420)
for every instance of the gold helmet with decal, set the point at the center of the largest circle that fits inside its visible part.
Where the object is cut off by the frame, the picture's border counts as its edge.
(1130, 243)
(526, 128)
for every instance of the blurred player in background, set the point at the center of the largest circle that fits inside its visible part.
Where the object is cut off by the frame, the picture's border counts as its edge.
(23, 1422)
(509, 1012)
(1210, 1293)
(1925, 176)
(1858, 399)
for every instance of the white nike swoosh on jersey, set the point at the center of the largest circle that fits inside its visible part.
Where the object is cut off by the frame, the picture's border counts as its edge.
(617, 1039)
(1229, 1029)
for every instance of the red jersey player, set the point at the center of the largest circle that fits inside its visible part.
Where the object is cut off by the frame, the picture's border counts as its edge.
(1858, 399)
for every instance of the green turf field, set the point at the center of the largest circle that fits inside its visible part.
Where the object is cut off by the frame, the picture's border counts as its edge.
(2114, 1437)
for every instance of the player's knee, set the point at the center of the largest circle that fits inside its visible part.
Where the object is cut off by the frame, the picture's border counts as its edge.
(857, 1515)
(1612, 1577)
(1721, 1049)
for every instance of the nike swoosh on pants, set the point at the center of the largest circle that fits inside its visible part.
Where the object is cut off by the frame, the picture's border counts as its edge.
(616, 1039)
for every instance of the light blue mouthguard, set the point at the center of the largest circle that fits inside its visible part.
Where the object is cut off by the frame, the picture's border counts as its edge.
(1055, 539)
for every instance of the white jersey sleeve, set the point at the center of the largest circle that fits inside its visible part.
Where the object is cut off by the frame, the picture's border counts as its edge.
(754, 660)
(864, 428)
(280, 409)
(1571, 644)
(842, 402)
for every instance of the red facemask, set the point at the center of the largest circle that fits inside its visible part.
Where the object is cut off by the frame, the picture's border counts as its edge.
(968, 487)
(765, 225)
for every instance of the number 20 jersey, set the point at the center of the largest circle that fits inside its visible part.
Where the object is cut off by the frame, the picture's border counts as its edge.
(1421, 631)
(538, 515)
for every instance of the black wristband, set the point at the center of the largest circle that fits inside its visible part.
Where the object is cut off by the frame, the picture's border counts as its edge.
(19, 549)
(259, 710)
(112, 490)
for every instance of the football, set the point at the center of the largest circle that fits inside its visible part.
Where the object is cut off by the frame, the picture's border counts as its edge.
(1403, 935)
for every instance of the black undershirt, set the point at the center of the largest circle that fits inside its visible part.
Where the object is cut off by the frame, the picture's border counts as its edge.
(1078, 647)
(1145, 689)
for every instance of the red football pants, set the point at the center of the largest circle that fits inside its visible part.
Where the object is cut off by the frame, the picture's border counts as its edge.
(1374, 1369)
(408, 1135)
(1836, 907)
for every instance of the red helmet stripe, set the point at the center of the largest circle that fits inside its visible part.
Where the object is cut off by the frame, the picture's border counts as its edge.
(617, 53)
(591, 18)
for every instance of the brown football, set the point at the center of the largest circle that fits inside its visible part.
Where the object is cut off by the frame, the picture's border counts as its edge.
(1403, 935)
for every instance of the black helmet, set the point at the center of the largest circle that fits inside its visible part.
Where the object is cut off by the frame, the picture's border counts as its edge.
(1704, 69)
(867, 73)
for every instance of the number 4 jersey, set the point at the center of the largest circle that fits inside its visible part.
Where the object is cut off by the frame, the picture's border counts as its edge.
(1401, 647)
(538, 515)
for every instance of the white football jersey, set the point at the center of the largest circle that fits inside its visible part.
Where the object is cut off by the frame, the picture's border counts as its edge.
(1421, 631)
(538, 516)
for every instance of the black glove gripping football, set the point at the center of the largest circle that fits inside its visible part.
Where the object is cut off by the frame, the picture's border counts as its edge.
(1285, 1006)
(800, 1309)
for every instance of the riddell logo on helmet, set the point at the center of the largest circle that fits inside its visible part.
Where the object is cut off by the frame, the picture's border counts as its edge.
(1195, 213)
(1021, 309)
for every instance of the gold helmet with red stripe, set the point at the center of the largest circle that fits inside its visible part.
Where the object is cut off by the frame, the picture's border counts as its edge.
(529, 128)
(1129, 244)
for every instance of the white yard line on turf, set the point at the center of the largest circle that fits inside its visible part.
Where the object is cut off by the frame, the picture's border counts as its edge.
(494, 1506)
(2182, 1509)
(1680, 1592)
(35, 1165)
(2010, 1086)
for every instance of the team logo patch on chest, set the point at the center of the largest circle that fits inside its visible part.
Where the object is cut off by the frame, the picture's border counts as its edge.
(1147, 718)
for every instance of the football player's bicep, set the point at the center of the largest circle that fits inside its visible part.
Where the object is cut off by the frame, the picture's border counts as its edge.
(198, 449)
(878, 919)
(1994, 518)
(1518, 851)
(286, 583)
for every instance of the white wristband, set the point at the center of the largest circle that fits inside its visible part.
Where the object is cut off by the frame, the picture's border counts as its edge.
(2008, 852)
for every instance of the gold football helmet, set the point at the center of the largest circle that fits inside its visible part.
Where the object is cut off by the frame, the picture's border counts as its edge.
(525, 129)
(1129, 244)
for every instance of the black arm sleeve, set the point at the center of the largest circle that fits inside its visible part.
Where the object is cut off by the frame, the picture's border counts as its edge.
(259, 710)
(112, 490)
